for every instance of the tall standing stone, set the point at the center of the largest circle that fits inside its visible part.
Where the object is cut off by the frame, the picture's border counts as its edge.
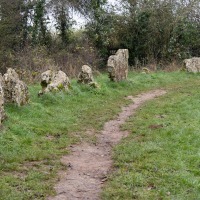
(192, 64)
(118, 65)
(15, 90)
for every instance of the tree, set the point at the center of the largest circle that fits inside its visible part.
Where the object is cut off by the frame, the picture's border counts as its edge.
(157, 31)
(40, 34)
(11, 23)
(99, 25)
(63, 21)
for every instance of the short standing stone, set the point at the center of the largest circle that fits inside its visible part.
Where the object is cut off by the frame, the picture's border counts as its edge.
(2, 112)
(86, 76)
(21, 93)
(118, 65)
(146, 70)
(192, 65)
(54, 81)
(15, 90)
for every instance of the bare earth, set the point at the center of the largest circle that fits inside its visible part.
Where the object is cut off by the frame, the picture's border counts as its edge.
(89, 164)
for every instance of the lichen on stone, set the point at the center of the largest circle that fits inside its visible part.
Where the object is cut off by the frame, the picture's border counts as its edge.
(117, 65)
(86, 77)
(15, 90)
(54, 81)
(192, 64)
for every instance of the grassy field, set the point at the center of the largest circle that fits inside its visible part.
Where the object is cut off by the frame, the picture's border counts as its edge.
(34, 137)
(161, 157)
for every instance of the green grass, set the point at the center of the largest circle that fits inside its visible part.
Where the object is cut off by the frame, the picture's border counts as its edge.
(34, 137)
(161, 157)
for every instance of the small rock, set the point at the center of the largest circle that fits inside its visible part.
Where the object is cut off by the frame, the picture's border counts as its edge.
(146, 70)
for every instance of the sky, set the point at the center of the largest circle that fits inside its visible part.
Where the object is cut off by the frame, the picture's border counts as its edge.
(80, 21)
(112, 1)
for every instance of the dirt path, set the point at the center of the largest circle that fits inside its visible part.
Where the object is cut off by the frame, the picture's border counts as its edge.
(89, 165)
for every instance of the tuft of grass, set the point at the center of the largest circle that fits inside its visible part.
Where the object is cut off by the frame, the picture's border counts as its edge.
(34, 137)
(160, 159)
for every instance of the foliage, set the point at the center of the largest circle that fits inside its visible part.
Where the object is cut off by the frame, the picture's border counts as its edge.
(10, 24)
(157, 31)
(98, 26)
(39, 30)
(64, 22)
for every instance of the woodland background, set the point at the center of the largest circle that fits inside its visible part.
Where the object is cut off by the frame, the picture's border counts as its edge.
(158, 33)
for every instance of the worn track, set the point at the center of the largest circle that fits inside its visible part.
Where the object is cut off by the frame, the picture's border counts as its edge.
(89, 164)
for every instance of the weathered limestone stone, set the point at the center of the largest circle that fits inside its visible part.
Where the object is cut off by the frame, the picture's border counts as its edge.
(2, 112)
(118, 65)
(94, 85)
(146, 70)
(54, 81)
(192, 65)
(86, 77)
(15, 90)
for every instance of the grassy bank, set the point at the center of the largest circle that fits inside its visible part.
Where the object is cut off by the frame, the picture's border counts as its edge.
(34, 137)
(160, 159)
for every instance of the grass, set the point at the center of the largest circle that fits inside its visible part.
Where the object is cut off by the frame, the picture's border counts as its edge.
(161, 157)
(34, 137)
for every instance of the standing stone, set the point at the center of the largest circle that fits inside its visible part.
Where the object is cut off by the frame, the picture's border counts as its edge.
(85, 75)
(2, 112)
(118, 65)
(21, 94)
(54, 81)
(192, 65)
(15, 90)
(146, 70)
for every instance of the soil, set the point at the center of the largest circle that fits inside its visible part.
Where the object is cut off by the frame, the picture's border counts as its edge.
(89, 164)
